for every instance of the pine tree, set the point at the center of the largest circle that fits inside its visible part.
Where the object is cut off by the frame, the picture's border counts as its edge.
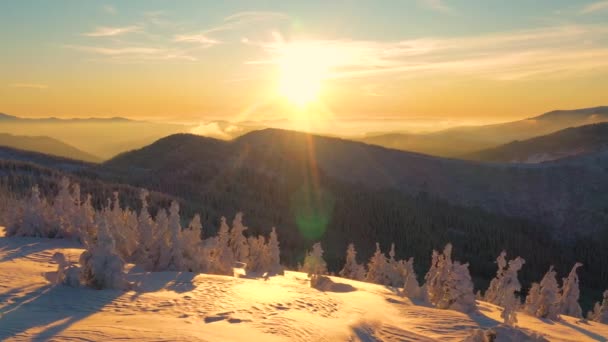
(532, 300)
(411, 288)
(352, 269)
(496, 283)
(272, 252)
(458, 290)
(64, 209)
(191, 243)
(176, 256)
(160, 252)
(147, 230)
(314, 265)
(101, 266)
(35, 220)
(223, 258)
(548, 302)
(437, 276)
(257, 254)
(394, 272)
(600, 311)
(570, 293)
(509, 285)
(238, 241)
(376, 268)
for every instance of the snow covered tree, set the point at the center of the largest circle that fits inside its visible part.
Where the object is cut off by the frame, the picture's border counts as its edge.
(496, 283)
(437, 276)
(257, 254)
(448, 284)
(352, 269)
(532, 299)
(191, 243)
(600, 311)
(548, 301)
(568, 302)
(101, 267)
(314, 265)
(85, 221)
(223, 258)
(272, 255)
(505, 295)
(176, 254)
(411, 288)
(458, 290)
(377, 267)
(123, 231)
(147, 231)
(35, 221)
(394, 271)
(64, 211)
(238, 241)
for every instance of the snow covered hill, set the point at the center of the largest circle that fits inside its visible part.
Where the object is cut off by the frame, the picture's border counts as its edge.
(172, 306)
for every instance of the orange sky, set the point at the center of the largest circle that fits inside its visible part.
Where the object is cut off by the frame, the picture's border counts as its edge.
(196, 62)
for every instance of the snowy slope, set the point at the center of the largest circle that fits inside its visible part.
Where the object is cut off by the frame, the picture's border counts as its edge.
(172, 306)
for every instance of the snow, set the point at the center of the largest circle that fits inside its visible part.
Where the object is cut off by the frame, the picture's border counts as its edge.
(172, 306)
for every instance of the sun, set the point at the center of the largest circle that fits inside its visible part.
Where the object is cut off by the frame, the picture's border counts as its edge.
(302, 67)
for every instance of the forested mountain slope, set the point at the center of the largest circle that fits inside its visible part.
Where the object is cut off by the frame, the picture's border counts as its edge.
(566, 143)
(458, 141)
(339, 191)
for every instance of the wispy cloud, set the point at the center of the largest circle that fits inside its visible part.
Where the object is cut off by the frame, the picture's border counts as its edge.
(111, 31)
(436, 5)
(595, 7)
(29, 85)
(550, 52)
(134, 52)
(196, 38)
(242, 19)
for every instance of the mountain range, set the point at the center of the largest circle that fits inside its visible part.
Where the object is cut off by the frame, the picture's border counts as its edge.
(566, 143)
(45, 145)
(461, 141)
(99, 137)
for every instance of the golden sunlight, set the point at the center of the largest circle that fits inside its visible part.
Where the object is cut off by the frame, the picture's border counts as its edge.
(302, 69)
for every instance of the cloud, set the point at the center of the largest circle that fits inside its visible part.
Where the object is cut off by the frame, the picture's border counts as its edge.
(135, 52)
(111, 31)
(241, 19)
(196, 38)
(595, 7)
(436, 5)
(551, 52)
(29, 85)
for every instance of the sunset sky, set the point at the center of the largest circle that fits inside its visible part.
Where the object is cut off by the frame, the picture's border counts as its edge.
(404, 63)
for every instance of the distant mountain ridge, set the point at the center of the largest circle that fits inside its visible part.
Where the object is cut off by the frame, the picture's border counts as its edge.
(45, 145)
(562, 144)
(7, 117)
(100, 137)
(457, 141)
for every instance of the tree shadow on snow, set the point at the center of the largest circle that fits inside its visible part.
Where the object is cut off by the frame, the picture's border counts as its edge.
(586, 332)
(154, 281)
(13, 252)
(52, 308)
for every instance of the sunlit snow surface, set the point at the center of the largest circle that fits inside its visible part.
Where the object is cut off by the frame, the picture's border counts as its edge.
(170, 306)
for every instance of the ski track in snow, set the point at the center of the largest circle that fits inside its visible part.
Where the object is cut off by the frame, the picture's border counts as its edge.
(171, 306)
